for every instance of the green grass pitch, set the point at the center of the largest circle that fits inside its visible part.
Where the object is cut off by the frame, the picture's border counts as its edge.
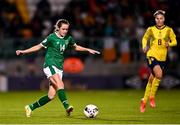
(115, 107)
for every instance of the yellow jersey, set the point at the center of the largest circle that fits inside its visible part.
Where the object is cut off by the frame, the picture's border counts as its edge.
(158, 38)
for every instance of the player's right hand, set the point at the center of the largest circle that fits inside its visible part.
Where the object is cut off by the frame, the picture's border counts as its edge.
(93, 51)
(18, 52)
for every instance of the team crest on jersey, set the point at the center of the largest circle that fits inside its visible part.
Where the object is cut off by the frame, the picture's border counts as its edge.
(57, 42)
(159, 35)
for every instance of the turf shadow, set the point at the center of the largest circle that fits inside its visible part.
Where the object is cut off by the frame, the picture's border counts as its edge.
(108, 120)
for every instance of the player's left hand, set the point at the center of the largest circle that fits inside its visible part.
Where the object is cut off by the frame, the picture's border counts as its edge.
(167, 44)
(93, 51)
(145, 49)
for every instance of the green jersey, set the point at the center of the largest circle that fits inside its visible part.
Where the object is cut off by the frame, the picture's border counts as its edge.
(55, 49)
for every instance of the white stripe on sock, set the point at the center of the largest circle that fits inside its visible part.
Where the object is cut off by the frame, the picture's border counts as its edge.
(38, 103)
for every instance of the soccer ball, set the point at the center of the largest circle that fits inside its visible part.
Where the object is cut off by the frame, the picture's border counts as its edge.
(91, 111)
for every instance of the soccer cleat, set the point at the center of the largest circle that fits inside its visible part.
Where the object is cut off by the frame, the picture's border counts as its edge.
(142, 106)
(152, 102)
(28, 111)
(69, 110)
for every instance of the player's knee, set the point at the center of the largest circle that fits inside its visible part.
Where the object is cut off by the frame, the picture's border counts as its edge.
(158, 73)
(57, 85)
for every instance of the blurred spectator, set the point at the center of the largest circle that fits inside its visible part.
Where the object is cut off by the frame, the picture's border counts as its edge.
(3, 82)
(144, 73)
(109, 52)
(93, 17)
(36, 25)
(44, 8)
(118, 25)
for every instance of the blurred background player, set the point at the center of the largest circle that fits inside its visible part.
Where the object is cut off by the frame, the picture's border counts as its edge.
(56, 43)
(161, 38)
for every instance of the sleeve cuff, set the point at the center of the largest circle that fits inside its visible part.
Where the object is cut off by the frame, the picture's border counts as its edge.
(43, 45)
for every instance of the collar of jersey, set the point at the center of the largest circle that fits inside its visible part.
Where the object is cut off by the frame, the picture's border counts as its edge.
(58, 35)
(160, 28)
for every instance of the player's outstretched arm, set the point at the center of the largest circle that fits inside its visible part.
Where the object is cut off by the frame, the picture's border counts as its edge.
(30, 50)
(80, 48)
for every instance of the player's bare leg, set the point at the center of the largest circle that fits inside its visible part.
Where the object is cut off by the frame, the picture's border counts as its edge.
(52, 91)
(42, 101)
(155, 84)
(56, 80)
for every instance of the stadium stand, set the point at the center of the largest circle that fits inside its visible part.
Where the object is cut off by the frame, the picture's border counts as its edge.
(94, 23)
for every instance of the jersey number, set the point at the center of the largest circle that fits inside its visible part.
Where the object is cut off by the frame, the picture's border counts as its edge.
(62, 48)
(159, 42)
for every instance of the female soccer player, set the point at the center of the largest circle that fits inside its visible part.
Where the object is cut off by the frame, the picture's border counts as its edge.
(161, 38)
(55, 44)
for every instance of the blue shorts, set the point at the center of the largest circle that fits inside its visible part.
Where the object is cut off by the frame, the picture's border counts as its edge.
(152, 62)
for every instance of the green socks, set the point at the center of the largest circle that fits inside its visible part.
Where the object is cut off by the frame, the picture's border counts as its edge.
(42, 101)
(45, 99)
(62, 97)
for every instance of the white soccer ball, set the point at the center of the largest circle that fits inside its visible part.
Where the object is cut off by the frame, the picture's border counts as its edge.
(91, 111)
